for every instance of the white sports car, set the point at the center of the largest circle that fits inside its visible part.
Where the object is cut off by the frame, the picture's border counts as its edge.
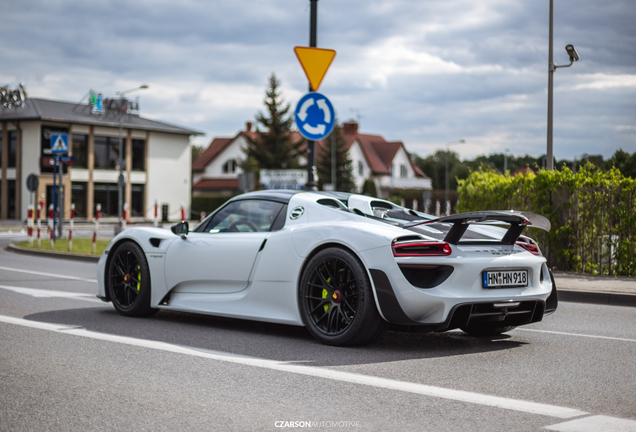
(345, 266)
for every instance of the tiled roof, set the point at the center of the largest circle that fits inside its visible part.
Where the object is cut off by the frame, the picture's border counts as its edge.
(68, 112)
(216, 184)
(378, 152)
(215, 147)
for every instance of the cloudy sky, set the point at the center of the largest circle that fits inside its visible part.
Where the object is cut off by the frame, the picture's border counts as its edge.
(423, 72)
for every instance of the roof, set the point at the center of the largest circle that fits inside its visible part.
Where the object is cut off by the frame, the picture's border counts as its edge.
(68, 112)
(218, 183)
(217, 145)
(378, 152)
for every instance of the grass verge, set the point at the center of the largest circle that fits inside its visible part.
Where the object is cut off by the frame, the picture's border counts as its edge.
(80, 246)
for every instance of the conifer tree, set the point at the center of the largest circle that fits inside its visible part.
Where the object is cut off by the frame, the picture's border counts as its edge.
(344, 176)
(273, 147)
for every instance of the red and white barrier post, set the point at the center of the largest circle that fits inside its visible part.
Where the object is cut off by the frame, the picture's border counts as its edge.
(182, 212)
(124, 219)
(30, 224)
(51, 216)
(156, 214)
(40, 205)
(98, 210)
(70, 229)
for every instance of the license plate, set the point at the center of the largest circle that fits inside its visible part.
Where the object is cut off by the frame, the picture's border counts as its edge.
(505, 279)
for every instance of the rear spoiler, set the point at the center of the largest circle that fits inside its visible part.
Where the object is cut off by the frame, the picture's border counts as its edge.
(517, 220)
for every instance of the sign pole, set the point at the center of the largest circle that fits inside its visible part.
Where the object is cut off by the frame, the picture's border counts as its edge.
(54, 201)
(311, 145)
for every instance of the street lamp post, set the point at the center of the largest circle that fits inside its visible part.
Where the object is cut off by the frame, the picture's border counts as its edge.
(120, 159)
(551, 68)
(447, 146)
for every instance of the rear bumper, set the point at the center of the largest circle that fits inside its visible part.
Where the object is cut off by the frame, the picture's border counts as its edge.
(503, 312)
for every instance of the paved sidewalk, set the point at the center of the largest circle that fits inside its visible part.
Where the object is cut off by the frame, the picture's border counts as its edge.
(583, 288)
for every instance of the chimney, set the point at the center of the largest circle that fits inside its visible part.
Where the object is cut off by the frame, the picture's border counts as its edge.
(351, 127)
(248, 127)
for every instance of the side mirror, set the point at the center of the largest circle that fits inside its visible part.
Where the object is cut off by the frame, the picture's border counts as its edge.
(181, 229)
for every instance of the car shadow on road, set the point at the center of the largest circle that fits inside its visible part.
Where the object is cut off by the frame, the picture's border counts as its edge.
(273, 341)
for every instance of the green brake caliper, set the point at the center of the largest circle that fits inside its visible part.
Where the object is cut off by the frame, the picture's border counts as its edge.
(325, 293)
(138, 278)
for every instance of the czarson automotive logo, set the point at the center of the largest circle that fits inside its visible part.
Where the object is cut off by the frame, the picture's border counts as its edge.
(296, 212)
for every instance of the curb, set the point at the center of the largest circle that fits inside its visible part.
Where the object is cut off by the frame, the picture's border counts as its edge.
(590, 297)
(53, 254)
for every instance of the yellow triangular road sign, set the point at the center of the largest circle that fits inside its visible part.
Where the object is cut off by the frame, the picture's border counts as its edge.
(315, 62)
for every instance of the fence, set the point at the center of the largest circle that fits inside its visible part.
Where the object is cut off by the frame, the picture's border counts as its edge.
(593, 214)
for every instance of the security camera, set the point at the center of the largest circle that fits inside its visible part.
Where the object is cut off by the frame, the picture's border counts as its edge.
(574, 56)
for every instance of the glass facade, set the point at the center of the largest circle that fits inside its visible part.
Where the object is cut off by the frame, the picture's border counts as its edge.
(139, 155)
(78, 197)
(80, 151)
(106, 152)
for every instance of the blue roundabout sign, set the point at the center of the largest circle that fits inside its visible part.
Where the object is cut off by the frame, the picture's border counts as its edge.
(315, 116)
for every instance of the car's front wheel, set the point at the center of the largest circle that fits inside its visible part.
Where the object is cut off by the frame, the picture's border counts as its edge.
(336, 301)
(128, 281)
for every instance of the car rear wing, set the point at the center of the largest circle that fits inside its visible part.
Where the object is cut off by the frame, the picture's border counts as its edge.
(459, 223)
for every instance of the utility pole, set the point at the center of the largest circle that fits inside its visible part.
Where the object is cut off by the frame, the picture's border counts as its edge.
(313, 43)
(550, 159)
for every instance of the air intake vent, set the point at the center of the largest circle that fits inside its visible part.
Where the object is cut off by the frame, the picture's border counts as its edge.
(155, 242)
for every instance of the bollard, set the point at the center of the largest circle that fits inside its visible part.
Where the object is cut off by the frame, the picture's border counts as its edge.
(30, 224)
(125, 217)
(156, 214)
(70, 230)
(51, 216)
(98, 210)
(40, 205)
(182, 212)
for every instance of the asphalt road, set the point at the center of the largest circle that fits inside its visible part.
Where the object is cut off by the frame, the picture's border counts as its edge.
(69, 362)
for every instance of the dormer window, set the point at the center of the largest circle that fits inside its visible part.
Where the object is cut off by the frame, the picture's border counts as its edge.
(403, 171)
(229, 166)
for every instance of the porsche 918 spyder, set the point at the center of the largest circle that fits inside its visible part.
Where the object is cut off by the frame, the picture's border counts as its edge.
(345, 266)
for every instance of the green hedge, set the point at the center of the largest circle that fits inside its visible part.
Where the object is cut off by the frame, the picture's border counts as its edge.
(593, 214)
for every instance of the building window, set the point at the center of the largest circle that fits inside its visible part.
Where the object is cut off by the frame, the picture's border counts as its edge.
(360, 168)
(106, 152)
(403, 171)
(80, 151)
(137, 200)
(13, 148)
(0, 148)
(78, 197)
(11, 199)
(139, 155)
(229, 166)
(106, 194)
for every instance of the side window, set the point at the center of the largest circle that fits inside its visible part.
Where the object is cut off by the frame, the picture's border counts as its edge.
(279, 223)
(244, 216)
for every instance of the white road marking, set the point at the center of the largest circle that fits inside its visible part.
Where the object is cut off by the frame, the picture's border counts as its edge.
(595, 424)
(34, 292)
(55, 275)
(577, 334)
(422, 389)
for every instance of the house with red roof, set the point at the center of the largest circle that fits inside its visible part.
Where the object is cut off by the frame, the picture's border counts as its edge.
(388, 163)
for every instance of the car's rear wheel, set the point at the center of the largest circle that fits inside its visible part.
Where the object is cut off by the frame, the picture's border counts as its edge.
(128, 281)
(336, 301)
(486, 330)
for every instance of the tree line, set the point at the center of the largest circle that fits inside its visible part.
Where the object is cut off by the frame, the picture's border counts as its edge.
(434, 165)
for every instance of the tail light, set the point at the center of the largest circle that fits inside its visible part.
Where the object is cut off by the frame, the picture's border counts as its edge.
(534, 250)
(407, 249)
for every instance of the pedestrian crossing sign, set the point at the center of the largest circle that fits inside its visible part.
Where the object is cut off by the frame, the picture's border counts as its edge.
(59, 143)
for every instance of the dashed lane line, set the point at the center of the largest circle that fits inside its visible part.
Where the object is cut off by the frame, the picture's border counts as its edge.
(577, 334)
(43, 293)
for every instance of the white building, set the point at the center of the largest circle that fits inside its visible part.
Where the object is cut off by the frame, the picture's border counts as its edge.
(388, 164)
(157, 160)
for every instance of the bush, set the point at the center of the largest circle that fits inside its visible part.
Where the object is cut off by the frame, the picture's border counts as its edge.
(593, 214)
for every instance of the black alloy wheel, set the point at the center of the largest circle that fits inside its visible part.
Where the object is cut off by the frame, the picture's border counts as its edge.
(336, 301)
(128, 281)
